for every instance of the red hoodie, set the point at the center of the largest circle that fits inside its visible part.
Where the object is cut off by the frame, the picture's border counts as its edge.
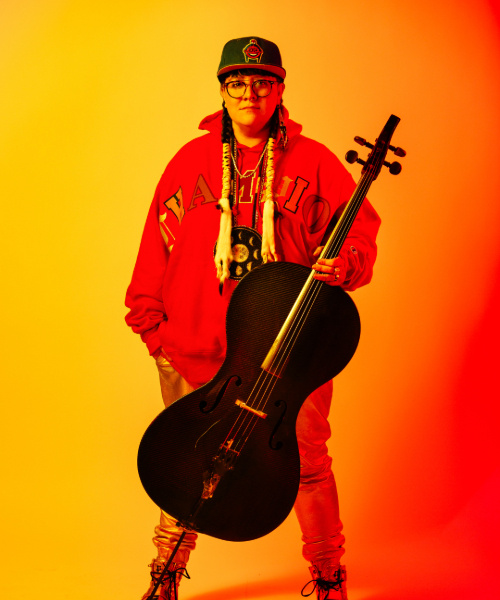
(174, 296)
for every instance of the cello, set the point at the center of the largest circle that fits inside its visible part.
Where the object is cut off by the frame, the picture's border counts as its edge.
(223, 460)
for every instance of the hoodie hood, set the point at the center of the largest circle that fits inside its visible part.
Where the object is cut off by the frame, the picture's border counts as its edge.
(213, 124)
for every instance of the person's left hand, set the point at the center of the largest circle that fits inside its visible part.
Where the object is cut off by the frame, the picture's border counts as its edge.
(330, 270)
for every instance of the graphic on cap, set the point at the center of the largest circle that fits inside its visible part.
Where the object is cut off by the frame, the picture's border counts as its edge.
(253, 52)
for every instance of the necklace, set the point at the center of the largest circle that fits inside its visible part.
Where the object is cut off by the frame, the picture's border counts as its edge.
(256, 186)
(247, 173)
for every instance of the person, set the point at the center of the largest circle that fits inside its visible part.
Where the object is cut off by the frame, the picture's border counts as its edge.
(253, 170)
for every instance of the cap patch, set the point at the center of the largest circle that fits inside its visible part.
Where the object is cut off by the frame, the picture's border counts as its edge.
(253, 52)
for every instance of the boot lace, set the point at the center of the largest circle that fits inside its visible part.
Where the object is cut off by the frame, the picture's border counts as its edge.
(171, 586)
(168, 581)
(323, 586)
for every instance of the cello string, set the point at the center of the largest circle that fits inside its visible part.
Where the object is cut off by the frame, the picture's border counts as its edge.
(290, 339)
(245, 418)
(253, 419)
(268, 380)
(346, 223)
(309, 299)
(273, 379)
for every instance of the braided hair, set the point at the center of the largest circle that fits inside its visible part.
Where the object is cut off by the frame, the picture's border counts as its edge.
(227, 126)
(223, 252)
(226, 138)
(223, 255)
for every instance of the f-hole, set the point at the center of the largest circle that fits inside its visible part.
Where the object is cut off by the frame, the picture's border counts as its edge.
(205, 408)
(272, 444)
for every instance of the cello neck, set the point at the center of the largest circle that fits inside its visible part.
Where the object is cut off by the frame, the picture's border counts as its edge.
(344, 224)
(277, 357)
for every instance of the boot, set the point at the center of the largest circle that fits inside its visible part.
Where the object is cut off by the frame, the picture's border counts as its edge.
(167, 535)
(328, 580)
(168, 588)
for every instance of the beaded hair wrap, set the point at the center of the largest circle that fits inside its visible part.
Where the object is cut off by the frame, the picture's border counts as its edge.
(268, 239)
(223, 254)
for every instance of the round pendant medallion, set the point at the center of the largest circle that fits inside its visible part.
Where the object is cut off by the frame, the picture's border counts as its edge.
(246, 245)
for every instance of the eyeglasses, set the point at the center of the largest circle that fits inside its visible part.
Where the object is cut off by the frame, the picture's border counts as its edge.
(260, 87)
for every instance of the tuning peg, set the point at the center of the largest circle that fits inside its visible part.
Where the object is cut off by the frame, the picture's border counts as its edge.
(352, 157)
(394, 168)
(398, 151)
(362, 142)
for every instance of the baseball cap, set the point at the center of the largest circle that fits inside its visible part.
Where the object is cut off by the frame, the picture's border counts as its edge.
(251, 52)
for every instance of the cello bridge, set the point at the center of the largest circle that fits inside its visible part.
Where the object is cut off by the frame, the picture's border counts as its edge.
(244, 405)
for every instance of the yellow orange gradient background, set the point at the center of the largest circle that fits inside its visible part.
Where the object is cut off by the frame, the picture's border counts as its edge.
(95, 99)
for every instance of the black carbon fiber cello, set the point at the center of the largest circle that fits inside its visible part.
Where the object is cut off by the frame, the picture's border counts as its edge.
(223, 460)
